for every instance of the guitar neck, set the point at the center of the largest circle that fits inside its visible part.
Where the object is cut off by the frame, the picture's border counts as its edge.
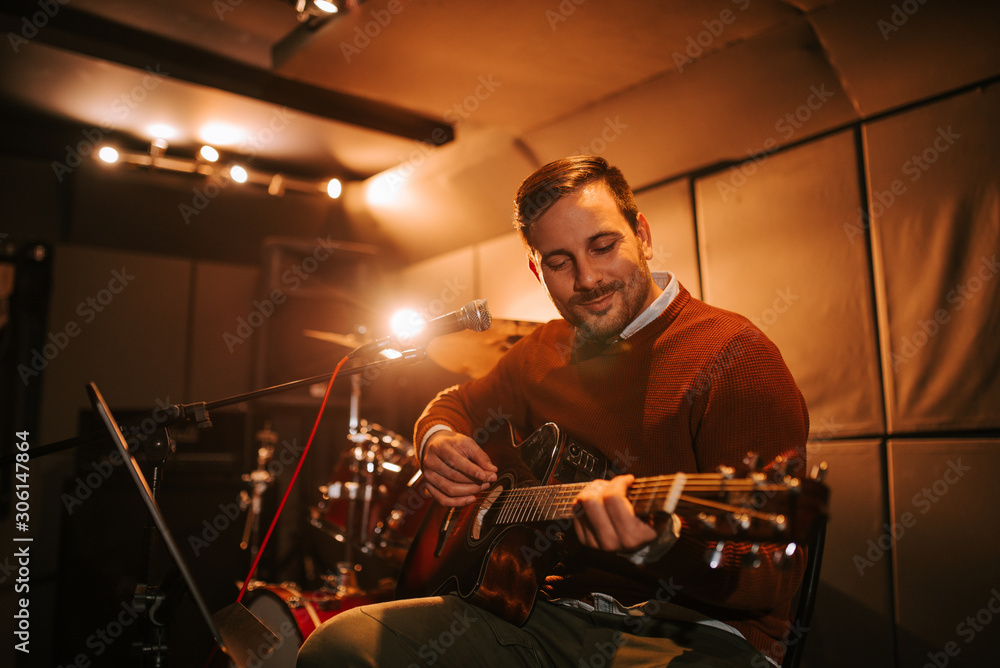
(648, 496)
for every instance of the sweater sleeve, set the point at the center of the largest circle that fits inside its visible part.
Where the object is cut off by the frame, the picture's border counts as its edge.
(479, 408)
(748, 402)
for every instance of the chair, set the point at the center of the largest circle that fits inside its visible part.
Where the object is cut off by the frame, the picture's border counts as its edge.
(806, 599)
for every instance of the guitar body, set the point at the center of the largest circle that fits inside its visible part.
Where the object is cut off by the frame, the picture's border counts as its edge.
(460, 550)
(498, 567)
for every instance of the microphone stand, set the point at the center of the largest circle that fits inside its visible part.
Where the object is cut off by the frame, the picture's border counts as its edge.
(150, 599)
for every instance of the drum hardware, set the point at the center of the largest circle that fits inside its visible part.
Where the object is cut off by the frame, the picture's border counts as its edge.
(260, 480)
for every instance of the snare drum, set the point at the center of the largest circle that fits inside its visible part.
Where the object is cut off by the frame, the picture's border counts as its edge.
(292, 614)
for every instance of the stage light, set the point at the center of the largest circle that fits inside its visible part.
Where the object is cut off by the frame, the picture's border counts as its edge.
(208, 154)
(277, 186)
(221, 134)
(108, 154)
(157, 148)
(334, 188)
(161, 131)
(326, 6)
(406, 323)
(239, 174)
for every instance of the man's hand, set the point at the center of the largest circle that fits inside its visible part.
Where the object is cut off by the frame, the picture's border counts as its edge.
(455, 468)
(608, 520)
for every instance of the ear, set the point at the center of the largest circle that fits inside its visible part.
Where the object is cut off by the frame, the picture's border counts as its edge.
(534, 269)
(645, 236)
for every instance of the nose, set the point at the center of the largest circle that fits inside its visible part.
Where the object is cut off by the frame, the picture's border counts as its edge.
(588, 275)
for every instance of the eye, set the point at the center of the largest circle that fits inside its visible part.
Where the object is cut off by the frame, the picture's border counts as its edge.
(557, 265)
(607, 248)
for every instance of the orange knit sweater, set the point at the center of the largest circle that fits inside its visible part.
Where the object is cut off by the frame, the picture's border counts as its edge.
(697, 388)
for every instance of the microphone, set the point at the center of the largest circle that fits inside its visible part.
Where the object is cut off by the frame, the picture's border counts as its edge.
(475, 316)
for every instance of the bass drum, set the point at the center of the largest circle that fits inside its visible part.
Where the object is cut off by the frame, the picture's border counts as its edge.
(292, 614)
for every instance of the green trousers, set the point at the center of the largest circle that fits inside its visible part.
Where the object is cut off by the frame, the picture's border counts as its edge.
(448, 632)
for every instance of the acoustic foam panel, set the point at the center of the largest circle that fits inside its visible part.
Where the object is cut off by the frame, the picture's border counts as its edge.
(671, 220)
(946, 551)
(935, 212)
(853, 622)
(773, 248)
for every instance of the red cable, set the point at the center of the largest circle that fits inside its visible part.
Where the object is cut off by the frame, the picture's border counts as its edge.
(291, 483)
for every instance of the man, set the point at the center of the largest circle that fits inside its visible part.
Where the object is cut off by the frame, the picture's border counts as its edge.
(658, 382)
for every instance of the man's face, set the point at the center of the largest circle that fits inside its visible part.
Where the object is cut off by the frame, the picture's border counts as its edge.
(592, 264)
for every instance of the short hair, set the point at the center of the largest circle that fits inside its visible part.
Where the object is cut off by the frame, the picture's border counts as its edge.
(562, 177)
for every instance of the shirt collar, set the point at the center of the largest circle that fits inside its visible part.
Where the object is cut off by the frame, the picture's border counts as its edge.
(668, 282)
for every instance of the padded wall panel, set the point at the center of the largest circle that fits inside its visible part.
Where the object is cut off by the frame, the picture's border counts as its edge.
(131, 314)
(505, 279)
(756, 95)
(222, 293)
(852, 622)
(774, 250)
(893, 53)
(935, 207)
(439, 278)
(946, 551)
(671, 220)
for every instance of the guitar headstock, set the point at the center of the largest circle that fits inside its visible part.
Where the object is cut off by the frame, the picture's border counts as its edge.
(764, 506)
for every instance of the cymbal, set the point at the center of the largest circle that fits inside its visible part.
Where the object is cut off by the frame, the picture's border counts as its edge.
(347, 340)
(475, 353)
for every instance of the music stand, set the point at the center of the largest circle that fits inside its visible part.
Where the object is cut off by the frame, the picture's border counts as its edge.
(236, 631)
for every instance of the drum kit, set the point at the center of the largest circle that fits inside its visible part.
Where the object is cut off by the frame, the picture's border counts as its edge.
(370, 509)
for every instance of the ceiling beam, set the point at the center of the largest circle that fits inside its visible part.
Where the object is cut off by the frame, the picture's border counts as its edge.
(98, 37)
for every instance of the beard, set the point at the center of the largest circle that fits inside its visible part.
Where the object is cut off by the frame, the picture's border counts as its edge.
(604, 326)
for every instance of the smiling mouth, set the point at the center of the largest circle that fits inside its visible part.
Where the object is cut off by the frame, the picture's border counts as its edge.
(599, 304)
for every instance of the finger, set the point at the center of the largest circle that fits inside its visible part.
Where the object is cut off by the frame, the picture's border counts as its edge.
(595, 517)
(471, 460)
(461, 453)
(450, 487)
(449, 501)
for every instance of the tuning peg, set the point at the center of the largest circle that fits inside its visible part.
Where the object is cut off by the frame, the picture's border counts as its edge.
(752, 558)
(819, 472)
(752, 461)
(707, 521)
(714, 555)
(781, 558)
(780, 467)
